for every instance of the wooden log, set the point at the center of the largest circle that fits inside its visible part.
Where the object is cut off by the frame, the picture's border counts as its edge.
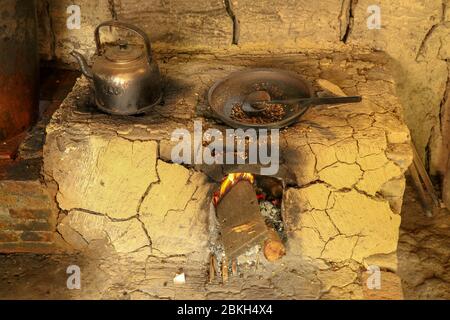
(243, 226)
(331, 87)
(446, 187)
(241, 223)
(212, 267)
(424, 177)
(420, 190)
(234, 268)
(445, 121)
(224, 270)
(274, 248)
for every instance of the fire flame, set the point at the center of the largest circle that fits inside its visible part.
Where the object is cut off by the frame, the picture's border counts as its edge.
(228, 182)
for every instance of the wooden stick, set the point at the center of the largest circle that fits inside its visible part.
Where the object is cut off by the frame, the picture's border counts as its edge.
(419, 187)
(234, 268)
(425, 178)
(212, 267)
(224, 270)
(446, 187)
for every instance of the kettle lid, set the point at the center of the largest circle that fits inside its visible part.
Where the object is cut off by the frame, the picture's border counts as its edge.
(122, 51)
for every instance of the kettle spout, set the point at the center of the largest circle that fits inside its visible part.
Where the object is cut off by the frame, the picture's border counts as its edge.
(83, 64)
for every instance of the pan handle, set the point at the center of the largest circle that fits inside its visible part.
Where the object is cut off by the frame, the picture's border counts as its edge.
(318, 101)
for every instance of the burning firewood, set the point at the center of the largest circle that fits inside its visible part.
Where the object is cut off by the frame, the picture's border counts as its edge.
(249, 216)
(273, 247)
(242, 225)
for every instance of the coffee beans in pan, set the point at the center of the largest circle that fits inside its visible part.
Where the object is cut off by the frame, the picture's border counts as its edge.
(271, 113)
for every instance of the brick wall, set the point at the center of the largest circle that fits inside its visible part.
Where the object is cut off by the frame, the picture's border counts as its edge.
(27, 217)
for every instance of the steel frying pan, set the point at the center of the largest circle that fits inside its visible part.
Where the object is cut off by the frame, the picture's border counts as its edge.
(281, 85)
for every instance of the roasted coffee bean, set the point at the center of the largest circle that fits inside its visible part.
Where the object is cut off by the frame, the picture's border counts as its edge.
(272, 113)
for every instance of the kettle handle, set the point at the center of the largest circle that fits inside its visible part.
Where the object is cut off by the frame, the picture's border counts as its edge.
(123, 25)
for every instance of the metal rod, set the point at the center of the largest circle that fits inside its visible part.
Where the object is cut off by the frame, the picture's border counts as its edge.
(314, 100)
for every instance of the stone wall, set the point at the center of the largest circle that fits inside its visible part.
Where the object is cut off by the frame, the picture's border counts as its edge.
(415, 33)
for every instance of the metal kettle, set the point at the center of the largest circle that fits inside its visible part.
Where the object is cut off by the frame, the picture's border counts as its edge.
(126, 79)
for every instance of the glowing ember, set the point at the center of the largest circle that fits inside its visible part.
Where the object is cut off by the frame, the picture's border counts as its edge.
(228, 182)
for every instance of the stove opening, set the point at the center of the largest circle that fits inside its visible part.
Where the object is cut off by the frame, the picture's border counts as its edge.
(248, 214)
